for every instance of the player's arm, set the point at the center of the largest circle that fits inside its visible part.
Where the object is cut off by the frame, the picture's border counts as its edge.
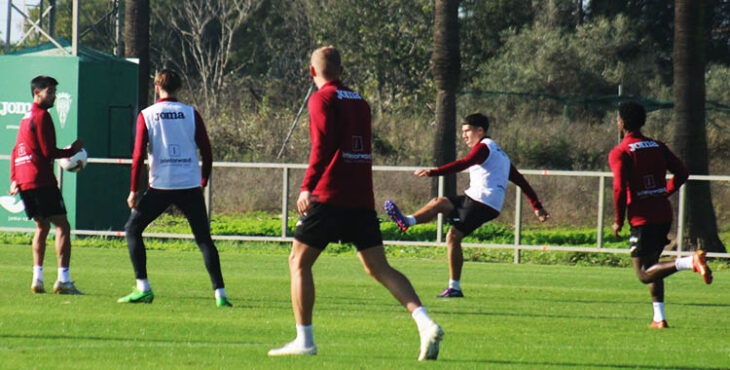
(478, 154)
(140, 149)
(518, 179)
(203, 142)
(13, 184)
(47, 139)
(675, 166)
(324, 145)
(619, 168)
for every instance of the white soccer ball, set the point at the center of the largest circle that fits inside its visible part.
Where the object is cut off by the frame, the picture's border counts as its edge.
(74, 163)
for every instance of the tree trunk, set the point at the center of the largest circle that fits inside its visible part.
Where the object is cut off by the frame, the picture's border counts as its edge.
(446, 66)
(689, 113)
(137, 43)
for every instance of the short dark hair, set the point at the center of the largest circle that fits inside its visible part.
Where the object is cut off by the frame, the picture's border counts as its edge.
(168, 80)
(477, 120)
(633, 114)
(42, 82)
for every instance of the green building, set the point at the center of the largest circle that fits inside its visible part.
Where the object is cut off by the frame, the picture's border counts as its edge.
(95, 100)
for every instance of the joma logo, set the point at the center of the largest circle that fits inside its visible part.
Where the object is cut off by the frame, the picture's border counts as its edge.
(169, 115)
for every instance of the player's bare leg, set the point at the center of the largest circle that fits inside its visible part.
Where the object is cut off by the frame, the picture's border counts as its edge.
(435, 206)
(377, 266)
(63, 285)
(301, 260)
(43, 227)
(456, 262)
(651, 272)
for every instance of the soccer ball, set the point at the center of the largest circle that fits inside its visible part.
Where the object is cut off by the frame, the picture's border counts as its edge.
(75, 162)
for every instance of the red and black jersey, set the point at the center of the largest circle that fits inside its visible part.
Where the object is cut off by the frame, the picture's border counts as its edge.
(639, 165)
(31, 161)
(340, 163)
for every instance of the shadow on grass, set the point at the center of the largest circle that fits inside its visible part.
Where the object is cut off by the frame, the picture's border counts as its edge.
(542, 364)
(123, 339)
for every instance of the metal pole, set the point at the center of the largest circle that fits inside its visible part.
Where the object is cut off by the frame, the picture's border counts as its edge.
(601, 205)
(284, 201)
(296, 119)
(208, 192)
(680, 218)
(119, 26)
(75, 29)
(7, 26)
(440, 217)
(518, 223)
(618, 133)
(52, 18)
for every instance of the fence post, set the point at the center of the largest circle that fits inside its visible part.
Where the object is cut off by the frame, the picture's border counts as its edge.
(284, 201)
(440, 217)
(601, 205)
(208, 193)
(60, 178)
(518, 223)
(680, 218)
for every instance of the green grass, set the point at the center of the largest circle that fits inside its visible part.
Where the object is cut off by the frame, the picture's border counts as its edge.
(514, 316)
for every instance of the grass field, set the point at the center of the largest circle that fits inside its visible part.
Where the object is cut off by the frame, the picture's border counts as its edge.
(514, 316)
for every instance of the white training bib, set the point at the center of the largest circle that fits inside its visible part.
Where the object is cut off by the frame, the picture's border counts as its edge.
(488, 180)
(173, 155)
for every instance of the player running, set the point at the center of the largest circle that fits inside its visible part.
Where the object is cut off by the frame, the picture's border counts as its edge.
(337, 204)
(31, 174)
(639, 165)
(489, 169)
(174, 131)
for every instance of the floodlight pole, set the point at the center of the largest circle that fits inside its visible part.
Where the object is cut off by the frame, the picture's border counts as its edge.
(7, 26)
(75, 29)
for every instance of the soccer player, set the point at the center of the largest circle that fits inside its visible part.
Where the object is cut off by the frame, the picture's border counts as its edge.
(337, 204)
(31, 174)
(174, 132)
(639, 165)
(489, 169)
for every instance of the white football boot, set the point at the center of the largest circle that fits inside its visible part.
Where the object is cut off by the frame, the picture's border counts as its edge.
(294, 348)
(430, 338)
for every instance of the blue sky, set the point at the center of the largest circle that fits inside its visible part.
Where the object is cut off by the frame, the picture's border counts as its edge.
(16, 18)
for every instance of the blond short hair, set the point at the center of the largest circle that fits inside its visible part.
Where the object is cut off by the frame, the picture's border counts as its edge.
(327, 61)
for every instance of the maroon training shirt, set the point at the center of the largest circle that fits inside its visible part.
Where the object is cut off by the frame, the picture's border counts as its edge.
(143, 138)
(340, 163)
(639, 165)
(31, 161)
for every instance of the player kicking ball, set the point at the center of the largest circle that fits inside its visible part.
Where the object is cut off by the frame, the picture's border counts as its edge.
(489, 170)
(639, 165)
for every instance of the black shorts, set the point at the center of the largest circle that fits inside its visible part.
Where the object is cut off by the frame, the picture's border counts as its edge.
(469, 214)
(325, 223)
(43, 202)
(648, 241)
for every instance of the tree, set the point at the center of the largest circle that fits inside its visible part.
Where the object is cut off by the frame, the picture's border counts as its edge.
(137, 43)
(205, 32)
(689, 113)
(445, 66)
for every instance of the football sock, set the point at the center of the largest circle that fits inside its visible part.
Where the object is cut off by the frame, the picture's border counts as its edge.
(455, 284)
(683, 263)
(64, 274)
(220, 292)
(421, 317)
(143, 285)
(305, 335)
(38, 273)
(410, 220)
(658, 311)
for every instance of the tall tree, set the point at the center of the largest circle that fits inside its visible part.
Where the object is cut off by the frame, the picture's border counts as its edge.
(137, 43)
(689, 112)
(445, 66)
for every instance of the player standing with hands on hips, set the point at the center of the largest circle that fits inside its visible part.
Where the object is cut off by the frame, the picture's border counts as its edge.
(639, 165)
(31, 175)
(174, 132)
(337, 204)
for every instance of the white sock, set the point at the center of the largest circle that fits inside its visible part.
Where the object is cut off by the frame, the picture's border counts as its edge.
(305, 335)
(455, 284)
(64, 274)
(143, 285)
(421, 317)
(220, 292)
(683, 263)
(658, 311)
(410, 220)
(38, 273)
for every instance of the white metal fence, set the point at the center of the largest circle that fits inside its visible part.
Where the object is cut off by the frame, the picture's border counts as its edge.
(517, 246)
